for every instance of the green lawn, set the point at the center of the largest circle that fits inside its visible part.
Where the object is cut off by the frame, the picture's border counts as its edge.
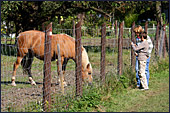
(156, 99)
(118, 94)
(128, 99)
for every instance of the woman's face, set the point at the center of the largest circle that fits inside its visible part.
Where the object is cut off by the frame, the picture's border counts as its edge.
(142, 38)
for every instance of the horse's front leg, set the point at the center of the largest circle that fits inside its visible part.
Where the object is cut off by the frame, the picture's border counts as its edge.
(64, 69)
(63, 66)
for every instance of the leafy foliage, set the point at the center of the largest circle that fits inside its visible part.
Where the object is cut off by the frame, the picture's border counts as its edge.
(28, 15)
(130, 19)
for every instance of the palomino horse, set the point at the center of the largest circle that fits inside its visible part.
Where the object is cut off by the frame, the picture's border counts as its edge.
(31, 43)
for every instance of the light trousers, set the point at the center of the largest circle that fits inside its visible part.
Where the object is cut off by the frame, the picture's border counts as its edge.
(142, 76)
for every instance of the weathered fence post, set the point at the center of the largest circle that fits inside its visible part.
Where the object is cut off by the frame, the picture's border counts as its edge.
(146, 26)
(43, 28)
(74, 29)
(78, 58)
(47, 69)
(103, 53)
(164, 48)
(157, 38)
(60, 69)
(166, 44)
(115, 28)
(132, 51)
(161, 41)
(120, 45)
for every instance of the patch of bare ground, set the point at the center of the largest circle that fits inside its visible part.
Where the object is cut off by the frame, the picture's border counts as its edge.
(18, 98)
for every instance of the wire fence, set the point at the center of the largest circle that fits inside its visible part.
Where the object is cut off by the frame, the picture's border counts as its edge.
(108, 55)
(15, 98)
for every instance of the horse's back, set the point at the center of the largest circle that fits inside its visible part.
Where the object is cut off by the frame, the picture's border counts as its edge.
(33, 40)
(67, 45)
(63, 38)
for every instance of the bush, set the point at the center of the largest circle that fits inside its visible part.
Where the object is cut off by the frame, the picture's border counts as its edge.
(159, 65)
(130, 19)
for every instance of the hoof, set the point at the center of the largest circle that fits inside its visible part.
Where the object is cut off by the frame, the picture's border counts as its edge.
(65, 84)
(13, 84)
(33, 83)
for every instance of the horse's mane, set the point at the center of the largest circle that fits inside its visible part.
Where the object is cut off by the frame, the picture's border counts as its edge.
(85, 59)
(70, 37)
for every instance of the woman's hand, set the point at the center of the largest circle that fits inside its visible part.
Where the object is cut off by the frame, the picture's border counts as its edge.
(136, 54)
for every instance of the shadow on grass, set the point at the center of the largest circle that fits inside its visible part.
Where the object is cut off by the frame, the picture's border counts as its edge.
(17, 82)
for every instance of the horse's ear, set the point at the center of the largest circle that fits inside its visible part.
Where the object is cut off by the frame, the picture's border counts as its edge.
(82, 49)
(88, 66)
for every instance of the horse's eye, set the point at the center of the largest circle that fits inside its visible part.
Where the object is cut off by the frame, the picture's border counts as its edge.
(89, 73)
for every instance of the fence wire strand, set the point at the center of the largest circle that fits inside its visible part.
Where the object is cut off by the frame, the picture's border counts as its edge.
(22, 97)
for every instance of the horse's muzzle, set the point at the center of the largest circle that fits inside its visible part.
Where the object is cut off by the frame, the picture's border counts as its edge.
(90, 84)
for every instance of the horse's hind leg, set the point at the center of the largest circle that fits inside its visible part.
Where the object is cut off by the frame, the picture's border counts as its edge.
(20, 54)
(16, 65)
(26, 64)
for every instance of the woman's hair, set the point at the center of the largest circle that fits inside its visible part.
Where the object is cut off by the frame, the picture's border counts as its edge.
(138, 29)
(144, 34)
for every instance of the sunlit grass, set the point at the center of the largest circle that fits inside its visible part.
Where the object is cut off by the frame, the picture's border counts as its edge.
(116, 96)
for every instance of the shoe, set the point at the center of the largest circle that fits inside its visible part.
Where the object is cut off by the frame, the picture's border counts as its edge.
(145, 89)
(139, 87)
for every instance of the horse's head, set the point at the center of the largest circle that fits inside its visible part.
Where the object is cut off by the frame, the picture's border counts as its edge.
(86, 67)
(87, 74)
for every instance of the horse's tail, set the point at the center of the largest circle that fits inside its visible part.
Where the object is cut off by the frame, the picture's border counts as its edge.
(27, 62)
(16, 39)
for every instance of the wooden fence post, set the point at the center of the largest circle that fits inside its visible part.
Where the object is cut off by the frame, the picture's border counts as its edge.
(164, 48)
(60, 69)
(115, 28)
(74, 29)
(120, 46)
(146, 26)
(43, 28)
(133, 57)
(47, 69)
(161, 41)
(78, 58)
(157, 38)
(103, 53)
(166, 44)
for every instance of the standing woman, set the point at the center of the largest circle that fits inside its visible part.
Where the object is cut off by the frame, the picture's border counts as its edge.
(137, 31)
(142, 58)
(149, 56)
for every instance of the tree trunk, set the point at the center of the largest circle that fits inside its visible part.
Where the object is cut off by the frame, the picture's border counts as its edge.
(159, 19)
(158, 11)
(59, 20)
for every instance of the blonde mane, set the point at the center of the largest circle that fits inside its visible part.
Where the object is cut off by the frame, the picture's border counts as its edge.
(85, 58)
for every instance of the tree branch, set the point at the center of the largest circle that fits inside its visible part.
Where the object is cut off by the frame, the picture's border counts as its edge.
(100, 11)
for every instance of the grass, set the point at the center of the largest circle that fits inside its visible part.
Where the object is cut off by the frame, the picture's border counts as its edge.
(128, 99)
(154, 100)
(116, 95)
(120, 96)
